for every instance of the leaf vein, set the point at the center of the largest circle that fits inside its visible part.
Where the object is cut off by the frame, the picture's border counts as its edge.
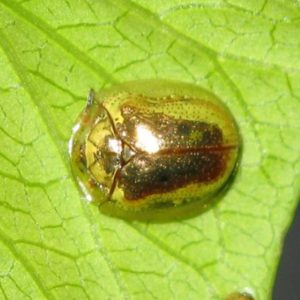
(27, 265)
(59, 40)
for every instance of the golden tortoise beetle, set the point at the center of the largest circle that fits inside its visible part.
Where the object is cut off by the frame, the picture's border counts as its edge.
(152, 145)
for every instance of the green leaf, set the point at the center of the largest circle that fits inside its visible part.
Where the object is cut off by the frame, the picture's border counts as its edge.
(53, 244)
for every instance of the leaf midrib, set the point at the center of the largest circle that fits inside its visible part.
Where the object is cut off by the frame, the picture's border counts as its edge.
(52, 129)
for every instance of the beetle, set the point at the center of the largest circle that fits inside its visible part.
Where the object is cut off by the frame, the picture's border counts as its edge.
(153, 145)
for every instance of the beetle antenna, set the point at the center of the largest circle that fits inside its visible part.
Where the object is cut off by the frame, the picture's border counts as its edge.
(90, 98)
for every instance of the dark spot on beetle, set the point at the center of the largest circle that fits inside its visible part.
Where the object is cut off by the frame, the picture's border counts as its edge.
(212, 136)
(164, 178)
(184, 129)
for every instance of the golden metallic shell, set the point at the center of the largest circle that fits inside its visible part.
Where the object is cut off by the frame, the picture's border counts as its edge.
(153, 145)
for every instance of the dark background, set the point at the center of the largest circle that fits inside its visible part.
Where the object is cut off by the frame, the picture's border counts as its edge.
(287, 284)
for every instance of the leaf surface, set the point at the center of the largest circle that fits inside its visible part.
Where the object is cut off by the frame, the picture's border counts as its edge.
(53, 244)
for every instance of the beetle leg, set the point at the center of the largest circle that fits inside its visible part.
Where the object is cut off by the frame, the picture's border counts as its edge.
(114, 183)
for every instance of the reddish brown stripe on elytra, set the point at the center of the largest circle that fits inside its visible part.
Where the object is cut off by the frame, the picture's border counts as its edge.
(168, 173)
(203, 149)
(207, 173)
